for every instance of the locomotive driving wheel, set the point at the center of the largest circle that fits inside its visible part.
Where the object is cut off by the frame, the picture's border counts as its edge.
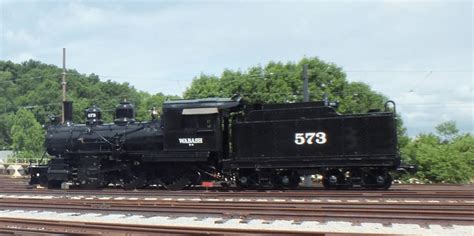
(54, 184)
(177, 184)
(93, 184)
(89, 173)
(132, 176)
(131, 181)
(177, 180)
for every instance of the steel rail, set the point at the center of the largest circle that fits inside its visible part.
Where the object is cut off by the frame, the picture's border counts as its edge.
(462, 214)
(14, 225)
(422, 193)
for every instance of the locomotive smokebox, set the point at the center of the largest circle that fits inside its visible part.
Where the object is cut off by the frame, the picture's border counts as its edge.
(67, 108)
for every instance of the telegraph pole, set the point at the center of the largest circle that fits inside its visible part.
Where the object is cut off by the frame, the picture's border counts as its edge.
(305, 83)
(307, 178)
(63, 83)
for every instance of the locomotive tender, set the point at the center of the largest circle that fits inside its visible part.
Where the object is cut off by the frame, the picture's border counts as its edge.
(225, 140)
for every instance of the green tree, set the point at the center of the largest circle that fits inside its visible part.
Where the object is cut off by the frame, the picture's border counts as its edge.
(27, 135)
(443, 160)
(149, 102)
(279, 82)
(36, 86)
(204, 86)
(447, 130)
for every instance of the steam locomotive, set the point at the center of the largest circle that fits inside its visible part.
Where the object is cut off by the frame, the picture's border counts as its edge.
(224, 140)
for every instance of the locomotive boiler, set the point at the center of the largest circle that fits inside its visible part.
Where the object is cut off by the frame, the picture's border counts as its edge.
(225, 140)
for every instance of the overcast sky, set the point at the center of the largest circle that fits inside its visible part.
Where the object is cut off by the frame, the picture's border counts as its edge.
(418, 54)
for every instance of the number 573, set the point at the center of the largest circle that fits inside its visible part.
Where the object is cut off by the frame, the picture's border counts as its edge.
(310, 138)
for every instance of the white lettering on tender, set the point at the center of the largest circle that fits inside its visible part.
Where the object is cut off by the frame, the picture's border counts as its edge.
(190, 141)
(310, 138)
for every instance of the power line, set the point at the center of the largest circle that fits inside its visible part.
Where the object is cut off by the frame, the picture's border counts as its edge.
(409, 71)
(15, 80)
(151, 77)
(421, 81)
(180, 85)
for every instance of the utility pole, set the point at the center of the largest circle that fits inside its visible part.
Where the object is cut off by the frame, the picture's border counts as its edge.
(305, 83)
(307, 178)
(63, 83)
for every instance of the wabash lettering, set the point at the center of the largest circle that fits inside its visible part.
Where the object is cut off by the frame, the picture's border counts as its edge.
(190, 141)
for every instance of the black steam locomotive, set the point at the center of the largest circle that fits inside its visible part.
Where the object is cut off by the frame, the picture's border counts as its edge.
(225, 141)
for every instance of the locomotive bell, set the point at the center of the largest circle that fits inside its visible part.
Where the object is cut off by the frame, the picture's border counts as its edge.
(124, 113)
(93, 115)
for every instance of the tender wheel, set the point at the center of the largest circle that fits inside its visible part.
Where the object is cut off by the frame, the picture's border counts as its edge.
(387, 183)
(243, 182)
(377, 179)
(288, 179)
(336, 179)
(247, 179)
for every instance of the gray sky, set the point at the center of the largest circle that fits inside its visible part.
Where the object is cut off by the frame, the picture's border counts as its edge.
(419, 54)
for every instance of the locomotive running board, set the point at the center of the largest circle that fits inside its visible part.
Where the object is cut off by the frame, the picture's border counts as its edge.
(168, 156)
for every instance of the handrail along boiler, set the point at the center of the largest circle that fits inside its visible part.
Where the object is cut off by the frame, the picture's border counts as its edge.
(225, 140)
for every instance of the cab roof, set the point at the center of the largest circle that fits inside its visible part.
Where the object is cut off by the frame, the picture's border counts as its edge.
(219, 103)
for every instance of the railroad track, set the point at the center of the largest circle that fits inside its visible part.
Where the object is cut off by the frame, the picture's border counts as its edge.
(459, 213)
(63, 214)
(434, 195)
(8, 183)
(435, 192)
(444, 205)
(14, 226)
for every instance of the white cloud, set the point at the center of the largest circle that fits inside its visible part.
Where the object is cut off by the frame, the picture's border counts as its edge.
(74, 18)
(85, 15)
(160, 47)
(23, 57)
(21, 37)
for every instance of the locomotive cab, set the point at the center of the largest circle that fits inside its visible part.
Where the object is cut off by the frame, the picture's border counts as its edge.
(199, 125)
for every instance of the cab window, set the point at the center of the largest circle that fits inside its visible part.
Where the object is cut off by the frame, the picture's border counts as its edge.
(203, 122)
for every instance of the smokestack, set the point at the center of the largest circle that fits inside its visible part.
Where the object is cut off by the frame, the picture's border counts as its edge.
(67, 105)
(63, 83)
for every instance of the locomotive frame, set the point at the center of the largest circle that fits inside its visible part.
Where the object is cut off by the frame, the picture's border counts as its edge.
(225, 140)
